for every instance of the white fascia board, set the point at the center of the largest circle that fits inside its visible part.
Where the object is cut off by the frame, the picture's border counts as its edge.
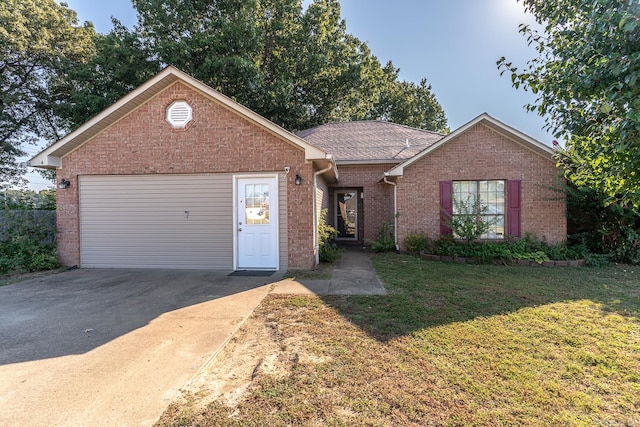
(43, 160)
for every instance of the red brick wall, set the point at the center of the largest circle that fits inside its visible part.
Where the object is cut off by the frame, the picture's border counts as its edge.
(216, 141)
(480, 153)
(377, 203)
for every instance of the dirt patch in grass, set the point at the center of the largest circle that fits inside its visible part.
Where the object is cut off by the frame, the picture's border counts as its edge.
(265, 350)
(449, 345)
(323, 271)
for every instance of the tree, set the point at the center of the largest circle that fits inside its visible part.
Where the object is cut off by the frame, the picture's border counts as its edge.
(279, 39)
(39, 39)
(120, 64)
(409, 103)
(21, 199)
(297, 68)
(216, 41)
(339, 78)
(587, 78)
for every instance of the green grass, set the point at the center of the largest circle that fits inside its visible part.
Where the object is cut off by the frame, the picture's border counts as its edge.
(453, 345)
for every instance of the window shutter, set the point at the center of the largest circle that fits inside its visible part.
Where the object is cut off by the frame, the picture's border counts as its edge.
(446, 206)
(513, 211)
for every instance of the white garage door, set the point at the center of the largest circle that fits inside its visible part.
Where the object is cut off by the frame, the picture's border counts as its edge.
(156, 221)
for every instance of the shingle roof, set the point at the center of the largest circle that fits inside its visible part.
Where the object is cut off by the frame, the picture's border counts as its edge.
(369, 141)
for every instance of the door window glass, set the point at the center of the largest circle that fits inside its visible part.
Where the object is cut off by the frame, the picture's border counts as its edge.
(256, 204)
(346, 214)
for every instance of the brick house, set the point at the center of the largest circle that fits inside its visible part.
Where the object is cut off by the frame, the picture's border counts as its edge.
(417, 174)
(176, 175)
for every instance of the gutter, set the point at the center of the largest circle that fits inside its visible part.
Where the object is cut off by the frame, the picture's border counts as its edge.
(395, 210)
(316, 242)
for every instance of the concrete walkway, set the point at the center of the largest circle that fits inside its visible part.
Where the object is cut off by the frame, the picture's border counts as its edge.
(114, 347)
(353, 274)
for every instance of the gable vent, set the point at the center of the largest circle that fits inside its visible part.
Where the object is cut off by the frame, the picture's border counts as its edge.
(179, 114)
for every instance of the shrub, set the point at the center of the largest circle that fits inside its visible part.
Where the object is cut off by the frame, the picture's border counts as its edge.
(628, 247)
(326, 236)
(7, 264)
(26, 242)
(417, 242)
(42, 261)
(602, 227)
(596, 260)
(469, 225)
(527, 248)
(384, 241)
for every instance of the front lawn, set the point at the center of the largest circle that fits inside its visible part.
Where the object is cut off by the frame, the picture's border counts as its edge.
(450, 345)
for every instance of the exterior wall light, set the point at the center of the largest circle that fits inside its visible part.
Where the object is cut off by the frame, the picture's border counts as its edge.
(298, 179)
(64, 183)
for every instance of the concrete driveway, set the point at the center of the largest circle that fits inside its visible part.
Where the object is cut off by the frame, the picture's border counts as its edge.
(112, 347)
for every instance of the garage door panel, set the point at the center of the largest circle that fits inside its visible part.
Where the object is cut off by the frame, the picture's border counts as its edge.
(156, 221)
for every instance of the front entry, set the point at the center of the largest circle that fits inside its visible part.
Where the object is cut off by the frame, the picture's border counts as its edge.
(257, 223)
(346, 214)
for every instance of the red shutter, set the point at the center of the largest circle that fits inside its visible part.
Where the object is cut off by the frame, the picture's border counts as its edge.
(446, 206)
(513, 211)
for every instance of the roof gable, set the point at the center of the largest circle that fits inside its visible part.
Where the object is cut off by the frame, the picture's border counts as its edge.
(51, 157)
(510, 133)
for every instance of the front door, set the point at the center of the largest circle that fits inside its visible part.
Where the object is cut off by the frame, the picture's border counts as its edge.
(257, 223)
(346, 209)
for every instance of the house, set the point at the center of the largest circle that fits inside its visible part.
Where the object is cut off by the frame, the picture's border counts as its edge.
(411, 177)
(175, 175)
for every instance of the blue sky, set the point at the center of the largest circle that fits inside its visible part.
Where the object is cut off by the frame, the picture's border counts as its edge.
(454, 44)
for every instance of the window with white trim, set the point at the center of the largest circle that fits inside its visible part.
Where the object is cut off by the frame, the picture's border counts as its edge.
(483, 199)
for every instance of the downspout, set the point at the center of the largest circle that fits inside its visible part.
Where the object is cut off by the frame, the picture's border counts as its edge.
(316, 242)
(395, 211)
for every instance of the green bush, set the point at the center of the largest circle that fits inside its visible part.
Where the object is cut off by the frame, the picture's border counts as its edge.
(42, 261)
(25, 244)
(628, 248)
(326, 236)
(596, 260)
(384, 241)
(469, 225)
(527, 248)
(7, 264)
(597, 226)
(417, 242)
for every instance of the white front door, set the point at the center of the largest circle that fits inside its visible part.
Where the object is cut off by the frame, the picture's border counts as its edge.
(257, 223)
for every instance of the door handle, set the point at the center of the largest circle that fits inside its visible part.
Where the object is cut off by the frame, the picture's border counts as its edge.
(239, 229)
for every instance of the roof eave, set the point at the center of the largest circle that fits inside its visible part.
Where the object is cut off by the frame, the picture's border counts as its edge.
(45, 161)
(366, 162)
(322, 164)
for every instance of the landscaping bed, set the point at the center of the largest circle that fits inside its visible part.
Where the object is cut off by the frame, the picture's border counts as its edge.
(499, 261)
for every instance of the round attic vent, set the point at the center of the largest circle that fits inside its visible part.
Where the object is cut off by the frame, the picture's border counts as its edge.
(179, 113)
